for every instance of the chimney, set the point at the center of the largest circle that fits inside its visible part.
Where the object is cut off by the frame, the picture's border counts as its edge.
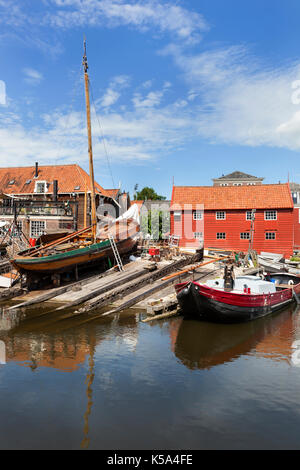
(36, 169)
(55, 190)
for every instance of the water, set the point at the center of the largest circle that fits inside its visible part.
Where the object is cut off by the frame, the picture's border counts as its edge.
(119, 383)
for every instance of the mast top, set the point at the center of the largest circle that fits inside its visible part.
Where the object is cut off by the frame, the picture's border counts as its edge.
(84, 59)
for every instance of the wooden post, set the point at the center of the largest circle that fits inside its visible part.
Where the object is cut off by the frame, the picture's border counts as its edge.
(89, 131)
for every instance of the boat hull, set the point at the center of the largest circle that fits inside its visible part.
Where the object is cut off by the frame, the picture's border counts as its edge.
(227, 307)
(69, 260)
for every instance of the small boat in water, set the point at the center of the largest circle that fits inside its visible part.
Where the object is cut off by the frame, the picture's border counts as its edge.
(246, 298)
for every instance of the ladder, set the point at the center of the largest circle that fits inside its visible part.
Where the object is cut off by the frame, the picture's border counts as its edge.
(116, 253)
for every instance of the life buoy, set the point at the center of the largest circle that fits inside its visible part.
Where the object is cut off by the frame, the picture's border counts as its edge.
(291, 282)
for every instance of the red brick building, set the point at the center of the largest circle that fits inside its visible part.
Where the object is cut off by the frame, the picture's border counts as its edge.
(221, 217)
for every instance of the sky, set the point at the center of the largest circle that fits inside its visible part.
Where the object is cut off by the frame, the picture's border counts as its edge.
(182, 90)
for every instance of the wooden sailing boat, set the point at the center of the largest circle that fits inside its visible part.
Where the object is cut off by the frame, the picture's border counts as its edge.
(86, 245)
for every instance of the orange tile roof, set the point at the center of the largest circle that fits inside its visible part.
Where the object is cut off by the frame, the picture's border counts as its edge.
(139, 203)
(113, 192)
(266, 196)
(69, 178)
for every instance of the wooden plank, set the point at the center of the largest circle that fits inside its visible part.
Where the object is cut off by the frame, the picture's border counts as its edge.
(103, 289)
(194, 267)
(127, 288)
(57, 291)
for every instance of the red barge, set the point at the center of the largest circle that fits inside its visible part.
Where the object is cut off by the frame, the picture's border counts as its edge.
(248, 298)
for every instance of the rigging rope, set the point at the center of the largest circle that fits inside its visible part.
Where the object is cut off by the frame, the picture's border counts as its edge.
(103, 139)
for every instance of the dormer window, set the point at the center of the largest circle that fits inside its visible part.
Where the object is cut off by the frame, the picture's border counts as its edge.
(12, 182)
(40, 187)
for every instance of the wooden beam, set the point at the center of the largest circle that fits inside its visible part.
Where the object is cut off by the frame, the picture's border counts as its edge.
(195, 267)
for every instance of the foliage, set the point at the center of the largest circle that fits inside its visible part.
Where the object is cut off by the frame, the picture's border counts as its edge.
(155, 223)
(148, 194)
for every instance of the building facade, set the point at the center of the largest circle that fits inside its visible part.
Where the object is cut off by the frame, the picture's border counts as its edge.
(221, 217)
(237, 178)
(52, 198)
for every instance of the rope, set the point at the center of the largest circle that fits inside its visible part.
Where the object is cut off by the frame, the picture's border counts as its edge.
(102, 135)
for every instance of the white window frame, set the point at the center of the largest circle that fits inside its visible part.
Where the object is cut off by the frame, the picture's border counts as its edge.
(245, 238)
(271, 218)
(270, 233)
(223, 184)
(250, 215)
(198, 235)
(36, 187)
(221, 238)
(37, 234)
(220, 212)
(197, 215)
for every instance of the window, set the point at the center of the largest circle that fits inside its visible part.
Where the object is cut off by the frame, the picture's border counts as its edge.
(197, 215)
(220, 215)
(237, 184)
(177, 216)
(221, 236)
(40, 187)
(270, 215)
(248, 215)
(224, 184)
(270, 236)
(245, 236)
(37, 228)
(198, 235)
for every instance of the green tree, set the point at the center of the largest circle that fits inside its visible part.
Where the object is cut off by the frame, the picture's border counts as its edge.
(148, 194)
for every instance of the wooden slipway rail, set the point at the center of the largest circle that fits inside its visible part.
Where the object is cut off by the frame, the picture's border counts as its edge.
(160, 286)
(103, 300)
(52, 293)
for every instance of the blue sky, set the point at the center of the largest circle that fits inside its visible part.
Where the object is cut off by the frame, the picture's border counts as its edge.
(185, 89)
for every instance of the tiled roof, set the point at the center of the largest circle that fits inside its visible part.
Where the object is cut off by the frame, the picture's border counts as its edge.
(71, 179)
(139, 203)
(113, 192)
(266, 196)
(238, 175)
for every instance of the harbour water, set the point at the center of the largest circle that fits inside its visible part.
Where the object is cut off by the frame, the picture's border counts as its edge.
(120, 383)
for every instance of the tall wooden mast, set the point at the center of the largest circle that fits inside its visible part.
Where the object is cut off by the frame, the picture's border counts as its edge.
(89, 132)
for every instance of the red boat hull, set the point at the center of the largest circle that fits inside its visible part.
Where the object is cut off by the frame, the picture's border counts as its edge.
(228, 307)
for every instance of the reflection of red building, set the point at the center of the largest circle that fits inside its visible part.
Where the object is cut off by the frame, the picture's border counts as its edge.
(227, 217)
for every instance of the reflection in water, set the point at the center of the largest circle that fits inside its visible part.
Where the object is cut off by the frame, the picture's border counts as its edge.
(87, 384)
(201, 345)
(89, 392)
(2, 353)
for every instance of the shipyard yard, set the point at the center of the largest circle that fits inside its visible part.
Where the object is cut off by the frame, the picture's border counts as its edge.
(149, 228)
(105, 377)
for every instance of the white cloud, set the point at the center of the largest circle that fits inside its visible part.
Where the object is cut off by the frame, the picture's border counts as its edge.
(134, 136)
(2, 93)
(239, 99)
(112, 93)
(32, 76)
(152, 99)
(165, 16)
